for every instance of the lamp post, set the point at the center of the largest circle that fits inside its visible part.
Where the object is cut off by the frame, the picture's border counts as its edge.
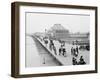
(45, 32)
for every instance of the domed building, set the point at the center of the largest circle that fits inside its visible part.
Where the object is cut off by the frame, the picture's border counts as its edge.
(57, 31)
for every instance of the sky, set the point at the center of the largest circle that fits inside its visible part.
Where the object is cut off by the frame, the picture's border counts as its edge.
(38, 22)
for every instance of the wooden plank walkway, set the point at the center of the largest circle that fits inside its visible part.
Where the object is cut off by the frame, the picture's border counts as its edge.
(63, 60)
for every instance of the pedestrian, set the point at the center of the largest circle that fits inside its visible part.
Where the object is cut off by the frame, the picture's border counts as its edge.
(74, 61)
(72, 51)
(82, 62)
(46, 42)
(51, 45)
(77, 50)
(64, 52)
(59, 51)
(54, 48)
(51, 41)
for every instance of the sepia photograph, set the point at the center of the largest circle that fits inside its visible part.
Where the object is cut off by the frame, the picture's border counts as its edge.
(53, 39)
(57, 39)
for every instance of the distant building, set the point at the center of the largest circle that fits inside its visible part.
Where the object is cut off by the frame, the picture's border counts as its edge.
(58, 32)
(82, 38)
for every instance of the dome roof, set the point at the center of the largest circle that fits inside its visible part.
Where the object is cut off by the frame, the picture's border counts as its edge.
(57, 27)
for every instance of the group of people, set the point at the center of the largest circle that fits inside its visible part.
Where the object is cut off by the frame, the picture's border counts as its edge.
(75, 51)
(52, 47)
(62, 49)
(81, 61)
(50, 42)
(63, 52)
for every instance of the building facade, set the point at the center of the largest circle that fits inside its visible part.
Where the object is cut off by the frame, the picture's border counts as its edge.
(58, 32)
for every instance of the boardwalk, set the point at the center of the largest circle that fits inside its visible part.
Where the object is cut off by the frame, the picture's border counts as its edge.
(37, 55)
(68, 59)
